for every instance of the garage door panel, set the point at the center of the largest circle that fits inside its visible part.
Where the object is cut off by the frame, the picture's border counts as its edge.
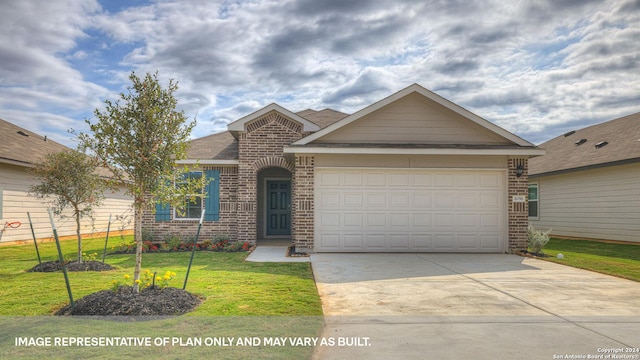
(353, 241)
(400, 199)
(421, 200)
(360, 210)
(376, 242)
(422, 242)
(376, 199)
(399, 242)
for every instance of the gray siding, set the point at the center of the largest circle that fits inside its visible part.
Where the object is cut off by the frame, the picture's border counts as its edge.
(599, 203)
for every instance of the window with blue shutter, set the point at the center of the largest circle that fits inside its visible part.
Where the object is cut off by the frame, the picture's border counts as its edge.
(192, 209)
(212, 201)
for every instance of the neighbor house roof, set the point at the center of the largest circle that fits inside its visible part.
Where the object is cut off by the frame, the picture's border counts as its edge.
(610, 143)
(19, 146)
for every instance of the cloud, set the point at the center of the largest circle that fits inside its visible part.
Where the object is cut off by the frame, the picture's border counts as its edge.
(529, 66)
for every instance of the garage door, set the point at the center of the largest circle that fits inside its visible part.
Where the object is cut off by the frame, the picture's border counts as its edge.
(417, 210)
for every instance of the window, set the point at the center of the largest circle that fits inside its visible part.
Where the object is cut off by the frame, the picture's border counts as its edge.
(533, 200)
(192, 204)
(208, 199)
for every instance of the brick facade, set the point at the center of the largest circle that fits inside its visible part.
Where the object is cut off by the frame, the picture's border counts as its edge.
(518, 211)
(303, 209)
(260, 147)
(226, 225)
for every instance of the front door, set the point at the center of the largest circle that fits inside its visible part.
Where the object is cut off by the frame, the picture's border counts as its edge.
(278, 207)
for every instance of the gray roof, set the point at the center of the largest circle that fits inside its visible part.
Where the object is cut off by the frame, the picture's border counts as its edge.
(223, 146)
(220, 146)
(23, 147)
(577, 150)
(322, 118)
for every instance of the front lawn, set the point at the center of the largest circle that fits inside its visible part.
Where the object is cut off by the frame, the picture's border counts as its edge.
(229, 285)
(241, 300)
(616, 259)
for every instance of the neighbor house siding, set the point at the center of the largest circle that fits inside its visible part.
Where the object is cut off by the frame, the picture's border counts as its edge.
(16, 182)
(413, 120)
(601, 203)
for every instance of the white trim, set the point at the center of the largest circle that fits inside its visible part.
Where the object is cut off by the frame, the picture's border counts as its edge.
(537, 184)
(412, 151)
(207, 162)
(239, 124)
(415, 88)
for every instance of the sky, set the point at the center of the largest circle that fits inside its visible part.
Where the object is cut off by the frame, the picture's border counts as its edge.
(535, 68)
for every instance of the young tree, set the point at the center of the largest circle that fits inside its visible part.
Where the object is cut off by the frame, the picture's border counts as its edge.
(68, 179)
(139, 138)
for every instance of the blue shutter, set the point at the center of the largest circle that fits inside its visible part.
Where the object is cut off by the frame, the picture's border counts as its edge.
(163, 212)
(212, 202)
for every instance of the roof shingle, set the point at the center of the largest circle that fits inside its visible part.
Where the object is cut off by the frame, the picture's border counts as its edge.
(578, 149)
(18, 145)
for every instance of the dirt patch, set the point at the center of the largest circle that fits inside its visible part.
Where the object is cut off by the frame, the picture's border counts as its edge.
(125, 302)
(52, 266)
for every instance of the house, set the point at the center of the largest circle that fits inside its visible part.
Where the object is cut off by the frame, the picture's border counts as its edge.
(587, 184)
(410, 173)
(21, 149)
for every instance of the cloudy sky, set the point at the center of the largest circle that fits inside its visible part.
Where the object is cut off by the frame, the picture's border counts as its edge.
(536, 68)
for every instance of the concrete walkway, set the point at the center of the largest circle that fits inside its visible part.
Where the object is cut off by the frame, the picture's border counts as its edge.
(273, 254)
(458, 306)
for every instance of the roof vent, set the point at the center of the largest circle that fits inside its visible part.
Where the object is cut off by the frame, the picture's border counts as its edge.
(570, 133)
(580, 142)
(601, 144)
(22, 133)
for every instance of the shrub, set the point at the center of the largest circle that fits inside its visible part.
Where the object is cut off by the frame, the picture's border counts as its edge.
(173, 241)
(537, 239)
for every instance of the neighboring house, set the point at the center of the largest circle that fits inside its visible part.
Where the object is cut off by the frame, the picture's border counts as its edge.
(20, 149)
(587, 185)
(410, 173)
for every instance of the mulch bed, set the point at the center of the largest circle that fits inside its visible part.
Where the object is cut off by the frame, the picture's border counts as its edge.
(53, 266)
(291, 252)
(125, 302)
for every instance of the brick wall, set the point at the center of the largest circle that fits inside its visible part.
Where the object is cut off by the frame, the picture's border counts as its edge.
(259, 148)
(518, 212)
(226, 225)
(303, 178)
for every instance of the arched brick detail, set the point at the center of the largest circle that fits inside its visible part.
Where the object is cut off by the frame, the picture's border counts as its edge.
(273, 161)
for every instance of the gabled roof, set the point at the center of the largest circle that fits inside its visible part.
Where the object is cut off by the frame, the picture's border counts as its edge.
(322, 118)
(613, 142)
(219, 146)
(22, 147)
(239, 125)
(415, 88)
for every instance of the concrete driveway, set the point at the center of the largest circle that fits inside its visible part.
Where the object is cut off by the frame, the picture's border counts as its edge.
(458, 306)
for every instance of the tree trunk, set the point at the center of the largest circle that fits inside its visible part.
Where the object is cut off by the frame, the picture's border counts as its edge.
(77, 216)
(138, 238)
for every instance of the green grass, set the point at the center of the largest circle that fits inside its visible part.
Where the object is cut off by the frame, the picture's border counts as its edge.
(240, 299)
(622, 260)
(230, 285)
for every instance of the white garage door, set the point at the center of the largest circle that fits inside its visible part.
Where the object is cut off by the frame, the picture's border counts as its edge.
(417, 210)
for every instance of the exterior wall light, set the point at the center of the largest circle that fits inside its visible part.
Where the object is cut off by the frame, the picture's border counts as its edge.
(519, 170)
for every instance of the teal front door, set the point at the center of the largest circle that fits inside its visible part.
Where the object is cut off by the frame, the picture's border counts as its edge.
(278, 207)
